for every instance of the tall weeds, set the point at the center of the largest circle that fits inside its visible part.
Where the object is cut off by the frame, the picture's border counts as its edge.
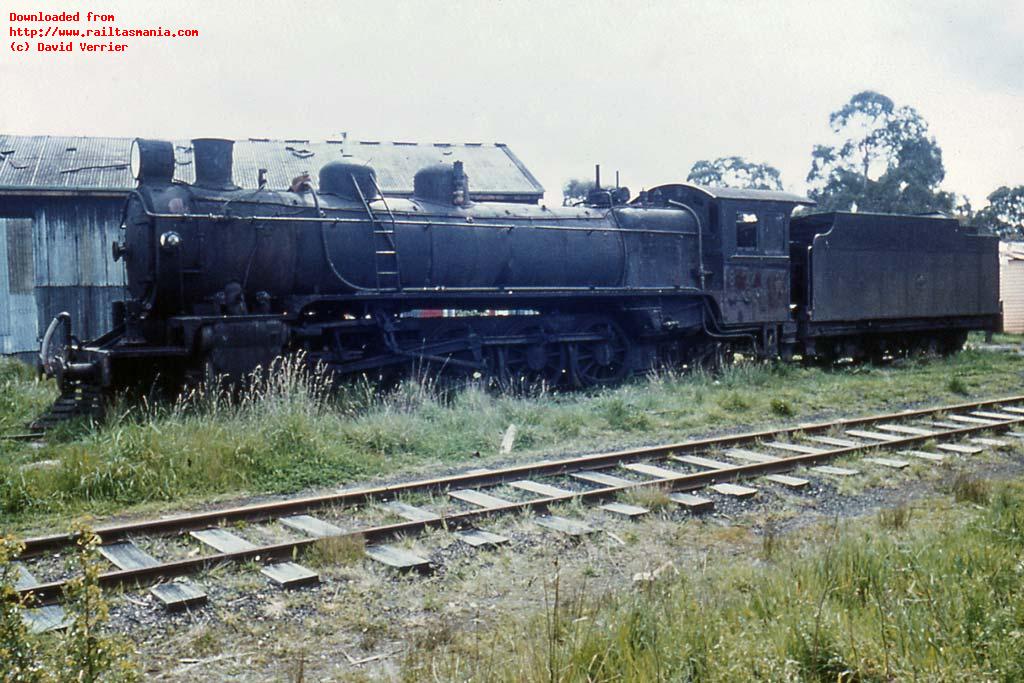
(84, 651)
(20, 655)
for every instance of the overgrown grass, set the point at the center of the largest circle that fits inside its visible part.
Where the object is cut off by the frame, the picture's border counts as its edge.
(339, 551)
(894, 518)
(967, 488)
(940, 598)
(22, 397)
(997, 338)
(288, 433)
(650, 497)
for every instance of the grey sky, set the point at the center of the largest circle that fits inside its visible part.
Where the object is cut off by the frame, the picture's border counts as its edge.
(644, 87)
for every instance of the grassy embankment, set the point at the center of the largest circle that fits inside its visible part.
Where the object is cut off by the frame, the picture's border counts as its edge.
(289, 437)
(936, 595)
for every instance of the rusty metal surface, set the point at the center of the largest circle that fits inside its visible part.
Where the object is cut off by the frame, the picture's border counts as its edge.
(755, 292)
(102, 163)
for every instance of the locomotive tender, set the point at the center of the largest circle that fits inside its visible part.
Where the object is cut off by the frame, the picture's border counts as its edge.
(221, 280)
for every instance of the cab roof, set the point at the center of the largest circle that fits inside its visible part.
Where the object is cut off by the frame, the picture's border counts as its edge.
(740, 194)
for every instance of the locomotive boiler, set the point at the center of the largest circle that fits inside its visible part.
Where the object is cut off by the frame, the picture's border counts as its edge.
(222, 280)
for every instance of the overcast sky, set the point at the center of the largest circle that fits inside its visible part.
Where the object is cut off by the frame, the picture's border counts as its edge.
(644, 87)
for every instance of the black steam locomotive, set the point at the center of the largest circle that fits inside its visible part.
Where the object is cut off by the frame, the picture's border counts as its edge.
(222, 280)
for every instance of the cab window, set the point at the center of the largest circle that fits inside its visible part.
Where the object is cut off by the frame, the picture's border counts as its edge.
(747, 227)
(774, 233)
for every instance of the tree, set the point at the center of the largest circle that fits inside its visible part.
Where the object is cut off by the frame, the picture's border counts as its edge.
(1004, 214)
(576, 190)
(884, 160)
(735, 172)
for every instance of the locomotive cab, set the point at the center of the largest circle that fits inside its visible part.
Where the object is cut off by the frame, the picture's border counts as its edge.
(745, 242)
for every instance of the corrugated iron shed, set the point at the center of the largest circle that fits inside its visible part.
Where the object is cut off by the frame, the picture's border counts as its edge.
(94, 164)
(1011, 285)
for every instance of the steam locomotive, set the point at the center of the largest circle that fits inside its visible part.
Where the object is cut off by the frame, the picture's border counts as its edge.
(221, 280)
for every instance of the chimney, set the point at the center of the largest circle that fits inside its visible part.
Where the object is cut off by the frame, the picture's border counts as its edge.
(213, 160)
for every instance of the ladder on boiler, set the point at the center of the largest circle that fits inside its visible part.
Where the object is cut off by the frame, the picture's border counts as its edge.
(385, 248)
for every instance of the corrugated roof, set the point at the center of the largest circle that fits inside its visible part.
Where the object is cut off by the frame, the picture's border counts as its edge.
(47, 163)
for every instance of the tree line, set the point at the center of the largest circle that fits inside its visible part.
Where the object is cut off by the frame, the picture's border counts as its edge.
(882, 159)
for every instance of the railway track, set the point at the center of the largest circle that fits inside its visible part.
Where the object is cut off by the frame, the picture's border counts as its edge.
(695, 473)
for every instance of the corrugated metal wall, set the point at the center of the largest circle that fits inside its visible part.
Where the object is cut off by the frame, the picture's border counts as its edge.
(75, 271)
(18, 330)
(1011, 289)
(57, 260)
(73, 239)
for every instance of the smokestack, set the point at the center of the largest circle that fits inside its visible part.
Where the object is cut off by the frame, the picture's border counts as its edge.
(213, 160)
(597, 176)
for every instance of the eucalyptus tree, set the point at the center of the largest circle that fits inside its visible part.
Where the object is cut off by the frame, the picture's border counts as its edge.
(882, 159)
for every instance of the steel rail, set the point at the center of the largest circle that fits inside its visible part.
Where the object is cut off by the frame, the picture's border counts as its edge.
(292, 506)
(51, 592)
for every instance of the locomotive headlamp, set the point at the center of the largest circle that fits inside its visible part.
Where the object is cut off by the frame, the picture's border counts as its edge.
(170, 240)
(152, 161)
